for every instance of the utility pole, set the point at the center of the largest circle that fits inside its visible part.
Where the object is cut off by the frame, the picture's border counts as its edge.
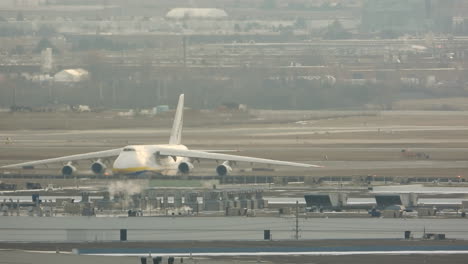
(296, 236)
(184, 49)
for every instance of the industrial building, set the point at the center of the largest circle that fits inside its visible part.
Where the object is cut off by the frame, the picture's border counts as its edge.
(71, 75)
(196, 13)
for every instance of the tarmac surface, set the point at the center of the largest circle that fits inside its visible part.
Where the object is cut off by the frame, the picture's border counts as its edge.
(348, 145)
(344, 145)
(70, 229)
(17, 256)
(320, 251)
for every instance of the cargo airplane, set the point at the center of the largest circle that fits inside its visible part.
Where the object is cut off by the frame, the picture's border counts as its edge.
(166, 159)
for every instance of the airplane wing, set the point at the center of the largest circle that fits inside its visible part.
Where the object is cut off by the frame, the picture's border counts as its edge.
(85, 156)
(218, 150)
(217, 156)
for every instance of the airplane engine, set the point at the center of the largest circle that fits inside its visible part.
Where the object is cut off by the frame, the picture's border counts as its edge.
(185, 167)
(68, 170)
(223, 169)
(98, 167)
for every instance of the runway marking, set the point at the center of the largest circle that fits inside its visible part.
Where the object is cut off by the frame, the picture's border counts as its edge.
(279, 251)
(305, 253)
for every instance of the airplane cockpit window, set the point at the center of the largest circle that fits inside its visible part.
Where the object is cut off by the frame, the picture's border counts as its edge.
(128, 149)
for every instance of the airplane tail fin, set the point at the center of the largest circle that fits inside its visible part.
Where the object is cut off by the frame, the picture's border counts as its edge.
(176, 133)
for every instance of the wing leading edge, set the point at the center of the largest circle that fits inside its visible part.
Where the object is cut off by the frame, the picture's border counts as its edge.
(85, 156)
(217, 156)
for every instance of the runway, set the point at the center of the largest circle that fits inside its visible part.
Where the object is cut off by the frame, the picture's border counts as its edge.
(273, 251)
(414, 164)
(344, 145)
(269, 252)
(68, 229)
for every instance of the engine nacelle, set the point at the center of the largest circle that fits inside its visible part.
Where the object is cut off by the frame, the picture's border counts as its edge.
(98, 167)
(68, 170)
(223, 169)
(185, 167)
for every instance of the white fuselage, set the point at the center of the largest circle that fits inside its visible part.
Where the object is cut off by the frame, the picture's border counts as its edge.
(136, 159)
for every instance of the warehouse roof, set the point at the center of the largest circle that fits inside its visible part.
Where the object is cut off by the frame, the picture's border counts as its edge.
(179, 13)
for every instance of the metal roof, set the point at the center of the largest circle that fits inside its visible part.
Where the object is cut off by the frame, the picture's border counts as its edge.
(179, 13)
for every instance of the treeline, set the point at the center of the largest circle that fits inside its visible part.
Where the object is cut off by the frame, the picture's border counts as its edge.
(135, 91)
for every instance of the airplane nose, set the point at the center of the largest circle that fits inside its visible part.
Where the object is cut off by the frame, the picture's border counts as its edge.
(127, 160)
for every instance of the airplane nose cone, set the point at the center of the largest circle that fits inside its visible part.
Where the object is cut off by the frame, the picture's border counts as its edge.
(130, 162)
(125, 160)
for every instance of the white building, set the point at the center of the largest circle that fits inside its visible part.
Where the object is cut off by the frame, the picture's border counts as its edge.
(47, 62)
(72, 75)
(196, 13)
(20, 3)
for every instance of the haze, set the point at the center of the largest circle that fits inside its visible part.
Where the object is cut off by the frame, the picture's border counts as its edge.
(265, 54)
